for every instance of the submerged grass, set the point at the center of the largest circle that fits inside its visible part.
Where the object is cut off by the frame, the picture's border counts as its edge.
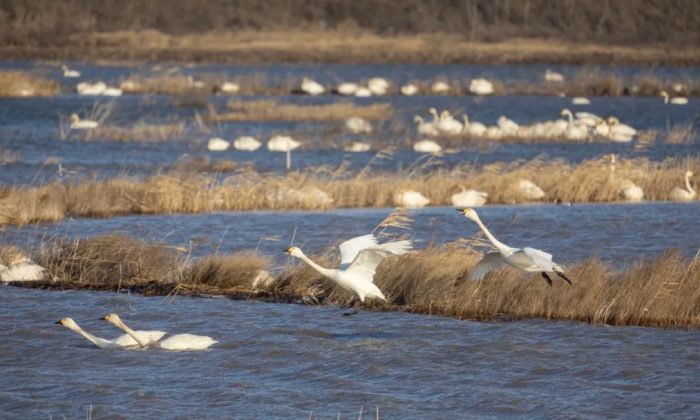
(325, 188)
(268, 110)
(21, 84)
(662, 292)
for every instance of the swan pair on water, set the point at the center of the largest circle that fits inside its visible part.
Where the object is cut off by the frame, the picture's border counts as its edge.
(141, 339)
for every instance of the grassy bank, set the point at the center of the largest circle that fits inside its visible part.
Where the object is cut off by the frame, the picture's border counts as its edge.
(662, 292)
(325, 188)
(22, 84)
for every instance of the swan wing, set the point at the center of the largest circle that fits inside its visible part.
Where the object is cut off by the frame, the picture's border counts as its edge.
(365, 265)
(397, 247)
(187, 342)
(491, 261)
(540, 258)
(350, 248)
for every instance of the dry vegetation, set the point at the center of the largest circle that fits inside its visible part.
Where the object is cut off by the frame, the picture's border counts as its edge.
(20, 84)
(268, 110)
(659, 292)
(140, 131)
(324, 188)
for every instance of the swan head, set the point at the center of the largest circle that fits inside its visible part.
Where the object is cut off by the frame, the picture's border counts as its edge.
(113, 319)
(294, 251)
(68, 323)
(664, 95)
(689, 174)
(564, 112)
(469, 213)
(74, 118)
(613, 121)
(417, 119)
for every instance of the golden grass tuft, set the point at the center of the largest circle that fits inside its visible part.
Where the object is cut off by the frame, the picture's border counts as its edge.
(140, 131)
(269, 110)
(20, 84)
(8, 157)
(681, 134)
(661, 292)
(324, 188)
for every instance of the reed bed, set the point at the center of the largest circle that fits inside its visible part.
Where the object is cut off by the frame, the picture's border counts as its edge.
(660, 292)
(681, 134)
(140, 131)
(21, 84)
(325, 188)
(8, 157)
(268, 110)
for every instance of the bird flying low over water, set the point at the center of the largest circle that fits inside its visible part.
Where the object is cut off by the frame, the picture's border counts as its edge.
(526, 259)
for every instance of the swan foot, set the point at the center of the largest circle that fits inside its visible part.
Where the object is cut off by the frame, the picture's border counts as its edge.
(547, 278)
(562, 275)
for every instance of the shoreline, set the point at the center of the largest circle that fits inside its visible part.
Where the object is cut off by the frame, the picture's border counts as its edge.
(344, 48)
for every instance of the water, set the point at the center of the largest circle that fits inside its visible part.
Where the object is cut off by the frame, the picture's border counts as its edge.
(615, 233)
(282, 361)
(31, 126)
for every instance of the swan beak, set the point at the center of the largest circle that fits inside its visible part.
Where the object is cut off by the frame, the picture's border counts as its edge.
(59, 322)
(105, 318)
(288, 251)
(460, 210)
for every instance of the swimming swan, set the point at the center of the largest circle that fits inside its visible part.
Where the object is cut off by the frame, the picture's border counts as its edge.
(77, 124)
(174, 342)
(527, 259)
(121, 342)
(359, 258)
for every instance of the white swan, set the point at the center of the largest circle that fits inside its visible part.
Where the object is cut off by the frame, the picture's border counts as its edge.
(426, 128)
(684, 194)
(526, 259)
(174, 342)
(282, 144)
(574, 130)
(426, 146)
(630, 191)
(553, 76)
(409, 89)
(363, 92)
(469, 198)
(493, 132)
(473, 128)
(580, 100)
(529, 190)
(229, 87)
(312, 87)
(411, 200)
(620, 133)
(507, 126)
(588, 118)
(480, 86)
(111, 91)
(378, 86)
(358, 125)
(359, 258)
(68, 73)
(91, 89)
(440, 87)
(448, 125)
(121, 342)
(77, 124)
(22, 269)
(358, 147)
(677, 100)
(247, 143)
(217, 144)
(346, 88)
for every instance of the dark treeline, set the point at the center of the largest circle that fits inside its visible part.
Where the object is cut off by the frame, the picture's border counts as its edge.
(47, 22)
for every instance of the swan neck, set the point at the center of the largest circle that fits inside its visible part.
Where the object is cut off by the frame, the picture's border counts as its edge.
(139, 339)
(315, 266)
(688, 186)
(498, 244)
(91, 338)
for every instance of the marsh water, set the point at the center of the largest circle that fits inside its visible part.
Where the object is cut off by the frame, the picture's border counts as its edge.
(295, 361)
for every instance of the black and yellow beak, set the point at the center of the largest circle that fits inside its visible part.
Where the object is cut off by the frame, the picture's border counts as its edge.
(59, 322)
(460, 210)
(288, 251)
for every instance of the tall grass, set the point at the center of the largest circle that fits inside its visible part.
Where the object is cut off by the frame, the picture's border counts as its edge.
(21, 84)
(268, 110)
(662, 292)
(244, 189)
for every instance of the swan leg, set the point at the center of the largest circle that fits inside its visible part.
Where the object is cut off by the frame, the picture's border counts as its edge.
(547, 278)
(562, 275)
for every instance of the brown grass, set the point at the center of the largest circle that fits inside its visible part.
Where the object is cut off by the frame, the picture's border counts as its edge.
(269, 110)
(245, 189)
(20, 84)
(140, 131)
(663, 292)
(8, 157)
(681, 134)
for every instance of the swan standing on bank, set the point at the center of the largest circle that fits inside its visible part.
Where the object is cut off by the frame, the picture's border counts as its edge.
(527, 259)
(687, 194)
(359, 258)
(426, 128)
(630, 191)
(469, 198)
(121, 342)
(174, 342)
(22, 269)
(409, 89)
(346, 89)
(358, 125)
(411, 200)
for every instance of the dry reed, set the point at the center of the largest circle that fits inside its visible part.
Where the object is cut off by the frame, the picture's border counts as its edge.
(8, 157)
(663, 292)
(681, 134)
(324, 188)
(268, 110)
(140, 131)
(20, 84)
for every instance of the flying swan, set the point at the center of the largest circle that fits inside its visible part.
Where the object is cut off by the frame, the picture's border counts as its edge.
(527, 259)
(174, 342)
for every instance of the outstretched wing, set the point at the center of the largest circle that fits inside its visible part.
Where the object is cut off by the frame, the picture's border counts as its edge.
(365, 265)
(541, 259)
(396, 248)
(491, 261)
(350, 248)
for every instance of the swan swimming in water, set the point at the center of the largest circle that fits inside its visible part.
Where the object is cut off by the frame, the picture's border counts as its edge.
(246, 144)
(217, 144)
(78, 124)
(174, 342)
(121, 342)
(312, 87)
(68, 73)
(526, 259)
(409, 89)
(427, 146)
(678, 100)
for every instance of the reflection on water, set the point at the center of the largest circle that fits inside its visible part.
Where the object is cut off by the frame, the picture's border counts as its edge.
(277, 360)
